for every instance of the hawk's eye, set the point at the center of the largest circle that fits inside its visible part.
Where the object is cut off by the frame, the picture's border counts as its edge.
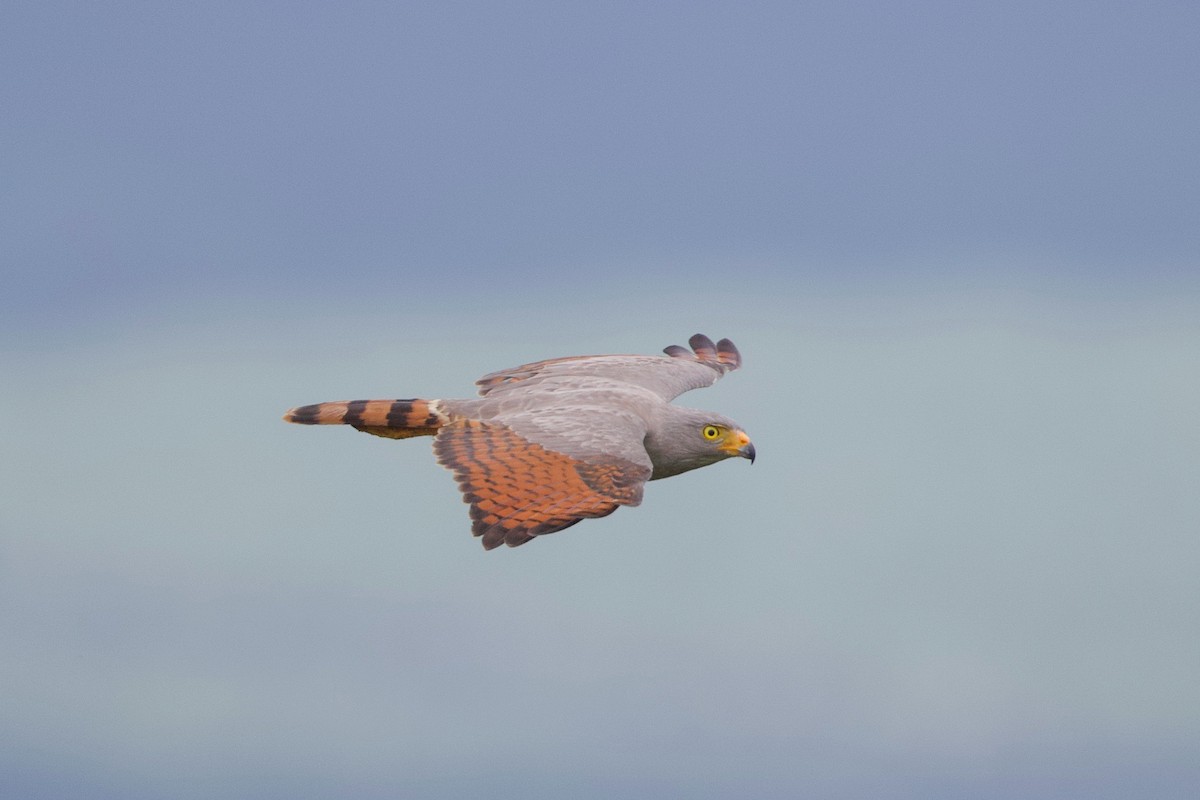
(711, 432)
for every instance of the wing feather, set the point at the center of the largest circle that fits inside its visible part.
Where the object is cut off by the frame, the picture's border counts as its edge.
(681, 370)
(518, 489)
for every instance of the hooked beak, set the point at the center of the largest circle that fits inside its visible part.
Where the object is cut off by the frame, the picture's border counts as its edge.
(737, 443)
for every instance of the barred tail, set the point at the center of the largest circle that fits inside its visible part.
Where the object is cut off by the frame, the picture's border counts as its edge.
(395, 419)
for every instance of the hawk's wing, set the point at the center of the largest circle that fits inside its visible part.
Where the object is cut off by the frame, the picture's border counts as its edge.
(668, 378)
(519, 488)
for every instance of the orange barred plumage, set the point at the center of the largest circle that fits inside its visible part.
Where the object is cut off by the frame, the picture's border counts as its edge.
(395, 419)
(518, 489)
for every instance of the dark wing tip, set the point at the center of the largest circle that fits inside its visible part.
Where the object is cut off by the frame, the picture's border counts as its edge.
(703, 346)
(727, 353)
(723, 352)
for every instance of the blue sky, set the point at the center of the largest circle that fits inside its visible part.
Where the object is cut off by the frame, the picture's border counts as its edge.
(957, 246)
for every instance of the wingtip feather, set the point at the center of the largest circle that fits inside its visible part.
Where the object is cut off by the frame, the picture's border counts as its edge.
(703, 345)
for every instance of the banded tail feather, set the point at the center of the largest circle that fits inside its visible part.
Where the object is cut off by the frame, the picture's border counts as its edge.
(394, 419)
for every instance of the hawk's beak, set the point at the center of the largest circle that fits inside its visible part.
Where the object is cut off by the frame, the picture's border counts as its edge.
(737, 443)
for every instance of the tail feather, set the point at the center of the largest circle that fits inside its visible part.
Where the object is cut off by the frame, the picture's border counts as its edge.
(395, 419)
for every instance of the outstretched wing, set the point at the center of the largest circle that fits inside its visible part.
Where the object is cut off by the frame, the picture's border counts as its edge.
(668, 377)
(518, 489)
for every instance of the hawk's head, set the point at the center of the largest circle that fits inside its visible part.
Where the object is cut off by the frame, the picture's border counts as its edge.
(690, 439)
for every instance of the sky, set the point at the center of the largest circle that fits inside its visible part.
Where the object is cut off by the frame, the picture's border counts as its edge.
(957, 244)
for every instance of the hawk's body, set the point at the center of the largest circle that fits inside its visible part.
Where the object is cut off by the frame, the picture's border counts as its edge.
(550, 443)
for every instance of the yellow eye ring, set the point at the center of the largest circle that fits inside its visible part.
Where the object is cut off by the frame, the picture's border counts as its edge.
(711, 432)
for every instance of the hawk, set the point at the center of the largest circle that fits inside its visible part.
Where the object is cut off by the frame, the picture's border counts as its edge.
(554, 442)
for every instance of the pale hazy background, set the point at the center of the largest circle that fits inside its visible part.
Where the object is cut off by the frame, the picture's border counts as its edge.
(958, 246)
